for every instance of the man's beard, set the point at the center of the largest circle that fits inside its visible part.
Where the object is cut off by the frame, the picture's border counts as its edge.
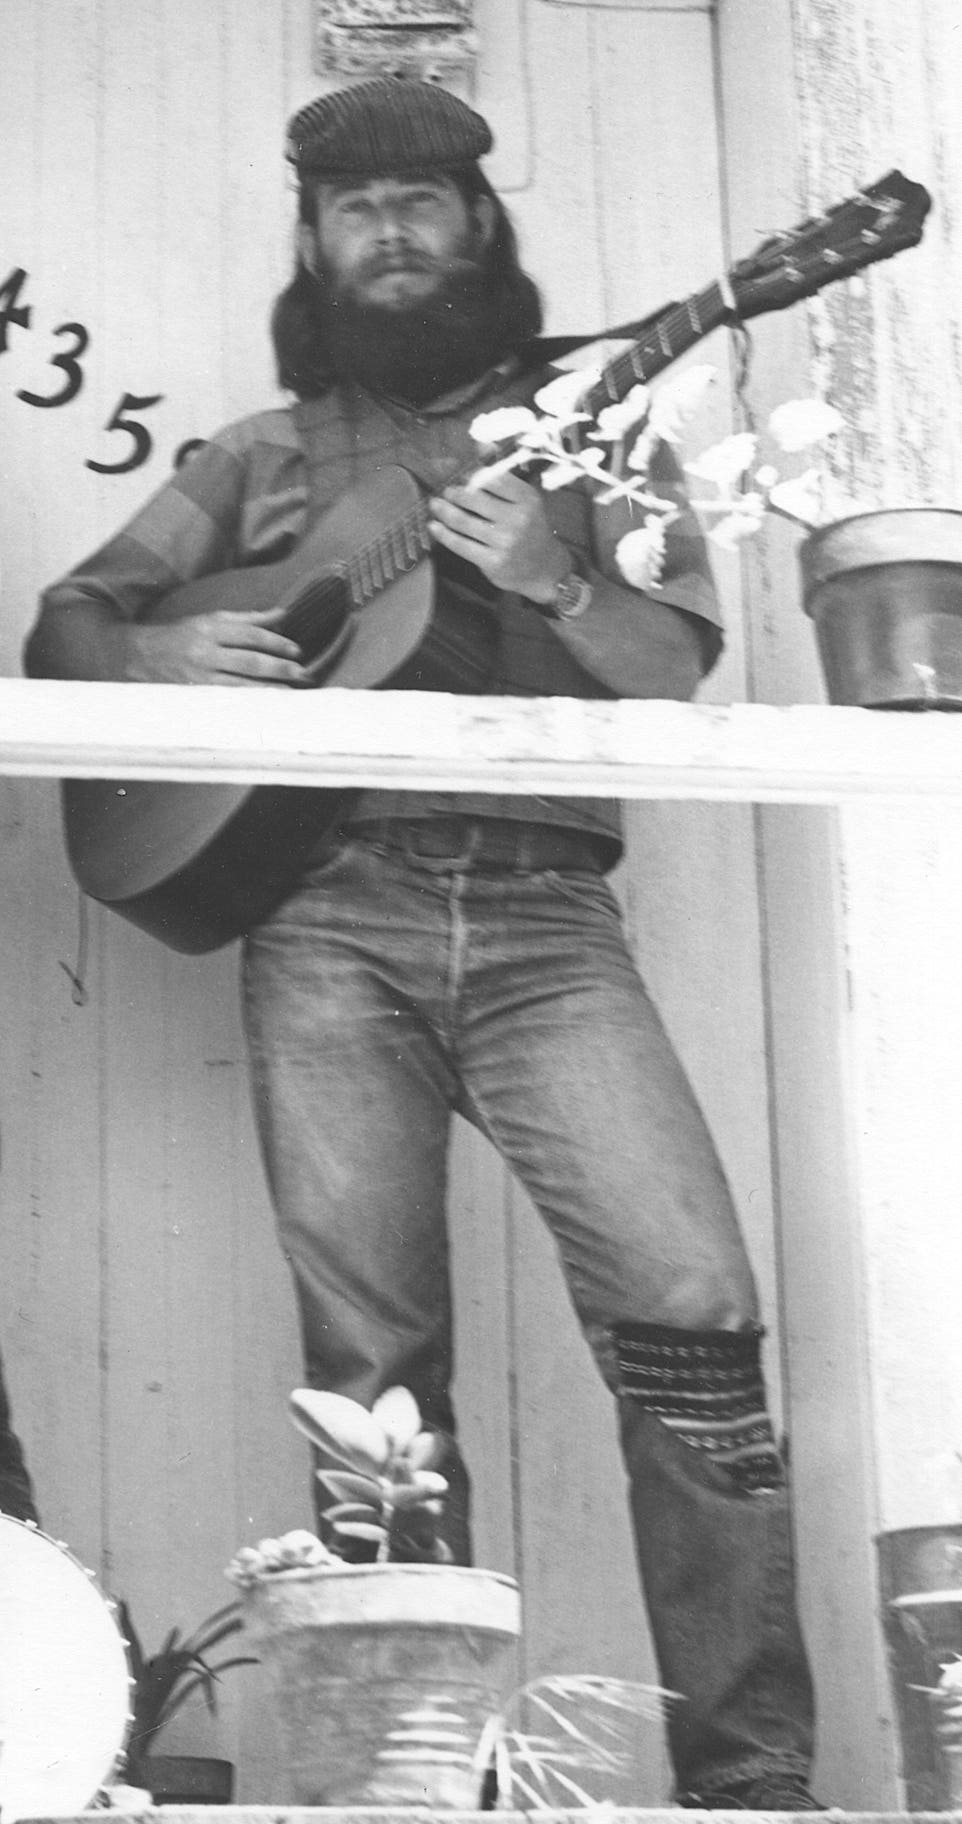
(420, 351)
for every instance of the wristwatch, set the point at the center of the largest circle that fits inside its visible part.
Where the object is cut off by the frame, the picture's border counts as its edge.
(571, 599)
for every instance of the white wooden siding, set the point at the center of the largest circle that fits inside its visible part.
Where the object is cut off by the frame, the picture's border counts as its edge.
(145, 1312)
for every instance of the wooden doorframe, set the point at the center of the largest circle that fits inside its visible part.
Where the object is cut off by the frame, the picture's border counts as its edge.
(825, 1343)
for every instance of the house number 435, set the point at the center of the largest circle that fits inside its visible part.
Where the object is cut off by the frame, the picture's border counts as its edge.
(67, 378)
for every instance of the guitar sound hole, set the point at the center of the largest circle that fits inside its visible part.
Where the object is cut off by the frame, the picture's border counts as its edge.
(319, 619)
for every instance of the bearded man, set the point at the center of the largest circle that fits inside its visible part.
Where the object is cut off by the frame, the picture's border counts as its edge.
(447, 953)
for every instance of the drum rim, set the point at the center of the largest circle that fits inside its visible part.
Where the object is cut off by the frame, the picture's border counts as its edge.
(115, 1731)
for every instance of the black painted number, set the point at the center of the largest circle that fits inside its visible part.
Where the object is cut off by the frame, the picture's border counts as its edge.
(69, 360)
(10, 310)
(188, 449)
(141, 438)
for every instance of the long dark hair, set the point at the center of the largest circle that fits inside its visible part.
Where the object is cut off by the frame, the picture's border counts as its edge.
(299, 317)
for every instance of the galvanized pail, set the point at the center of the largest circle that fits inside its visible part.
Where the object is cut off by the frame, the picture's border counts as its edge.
(920, 1571)
(385, 1678)
(884, 591)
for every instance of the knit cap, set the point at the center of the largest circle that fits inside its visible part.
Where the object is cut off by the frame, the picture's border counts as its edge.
(385, 127)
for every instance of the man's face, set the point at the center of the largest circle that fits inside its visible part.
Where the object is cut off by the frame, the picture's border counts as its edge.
(392, 242)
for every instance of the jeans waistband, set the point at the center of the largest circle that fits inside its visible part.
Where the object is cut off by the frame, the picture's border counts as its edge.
(489, 842)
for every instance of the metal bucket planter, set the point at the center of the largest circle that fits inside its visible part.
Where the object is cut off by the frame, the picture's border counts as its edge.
(884, 591)
(920, 1569)
(384, 1676)
(189, 1779)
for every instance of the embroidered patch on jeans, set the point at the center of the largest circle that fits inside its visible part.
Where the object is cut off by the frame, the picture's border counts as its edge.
(706, 1387)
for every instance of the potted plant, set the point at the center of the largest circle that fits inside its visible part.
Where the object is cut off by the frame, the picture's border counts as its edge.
(385, 1671)
(883, 588)
(160, 1685)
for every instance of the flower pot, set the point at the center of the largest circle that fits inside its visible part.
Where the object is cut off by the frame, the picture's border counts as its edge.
(188, 1779)
(920, 1570)
(884, 591)
(384, 1676)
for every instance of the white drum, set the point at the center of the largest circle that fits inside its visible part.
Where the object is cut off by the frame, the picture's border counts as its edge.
(64, 1679)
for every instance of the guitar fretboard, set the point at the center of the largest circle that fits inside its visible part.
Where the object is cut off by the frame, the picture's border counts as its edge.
(676, 329)
(392, 554)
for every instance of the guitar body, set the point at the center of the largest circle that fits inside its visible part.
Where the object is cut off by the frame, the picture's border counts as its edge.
(197, 865)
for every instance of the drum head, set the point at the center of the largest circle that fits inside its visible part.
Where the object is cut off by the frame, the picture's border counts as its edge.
(64, 1680)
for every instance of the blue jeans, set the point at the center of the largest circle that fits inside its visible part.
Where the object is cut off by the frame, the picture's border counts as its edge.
(394, 987)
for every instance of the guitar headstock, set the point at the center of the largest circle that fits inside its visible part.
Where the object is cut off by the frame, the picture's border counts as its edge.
(872, 225)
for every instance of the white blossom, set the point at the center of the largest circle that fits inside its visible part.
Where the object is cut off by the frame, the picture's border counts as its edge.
(641, 555)
(614, 421)
(642, 450)
(301, 1548)
(562, 396)
(801, 422)
(724, 463)
(743, 521)
(678, 401)
(507, 421)
(799, 498)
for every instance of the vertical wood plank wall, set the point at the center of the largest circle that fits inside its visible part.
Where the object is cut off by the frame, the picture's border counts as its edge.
(817, 99)
(145, 1313)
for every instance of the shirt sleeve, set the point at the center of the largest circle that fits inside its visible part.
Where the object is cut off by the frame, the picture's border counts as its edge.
(186, 530)
(593, 531)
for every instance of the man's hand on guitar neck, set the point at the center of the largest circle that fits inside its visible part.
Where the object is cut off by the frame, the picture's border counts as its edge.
(217, 648)
(504, 531)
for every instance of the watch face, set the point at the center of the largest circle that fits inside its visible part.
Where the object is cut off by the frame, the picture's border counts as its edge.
(572, 597)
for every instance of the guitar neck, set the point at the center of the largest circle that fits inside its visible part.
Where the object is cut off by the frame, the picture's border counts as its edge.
(667, 335)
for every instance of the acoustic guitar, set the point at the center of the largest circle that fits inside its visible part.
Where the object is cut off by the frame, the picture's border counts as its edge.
(362, 593)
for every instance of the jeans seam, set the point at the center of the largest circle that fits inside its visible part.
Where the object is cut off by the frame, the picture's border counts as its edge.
(457, 952)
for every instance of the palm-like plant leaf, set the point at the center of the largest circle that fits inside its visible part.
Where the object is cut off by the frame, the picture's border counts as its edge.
(569, 1741)
(164, 1680)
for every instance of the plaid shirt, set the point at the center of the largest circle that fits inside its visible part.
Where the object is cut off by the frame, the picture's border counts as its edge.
(251, 491)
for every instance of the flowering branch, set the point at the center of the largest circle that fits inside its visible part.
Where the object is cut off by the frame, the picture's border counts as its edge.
(616, 454)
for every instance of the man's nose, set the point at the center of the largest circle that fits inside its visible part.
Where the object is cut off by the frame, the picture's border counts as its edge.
(392, 227)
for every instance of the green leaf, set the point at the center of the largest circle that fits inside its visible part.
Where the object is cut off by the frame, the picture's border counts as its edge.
(359, 1529)
(217, 1627)
(397, 1414)
(348, 1487)
(353, 1510)
(341, 1428)
(425, 1487)
(423, 1450)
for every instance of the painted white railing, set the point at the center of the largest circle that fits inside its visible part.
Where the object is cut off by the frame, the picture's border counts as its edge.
(801, 754)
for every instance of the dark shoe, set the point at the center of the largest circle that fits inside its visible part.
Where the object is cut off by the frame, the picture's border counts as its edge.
(769, 1792)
